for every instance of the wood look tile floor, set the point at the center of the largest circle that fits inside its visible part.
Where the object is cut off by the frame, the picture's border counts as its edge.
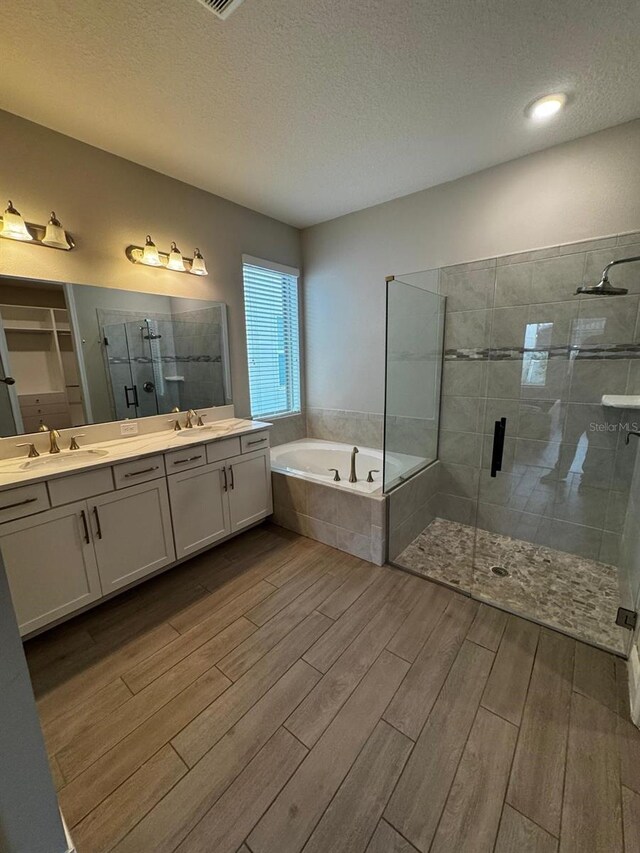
(275, 695)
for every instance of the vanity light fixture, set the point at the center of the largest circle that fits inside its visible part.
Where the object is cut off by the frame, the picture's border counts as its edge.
(547, 106)
(13, 225)
(55, 235)
(171, 260)
(52, 235)
(198, 266)
(176, 261)
(150, 255)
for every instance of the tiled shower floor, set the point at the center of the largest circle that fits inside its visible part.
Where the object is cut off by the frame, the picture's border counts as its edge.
(571, 593)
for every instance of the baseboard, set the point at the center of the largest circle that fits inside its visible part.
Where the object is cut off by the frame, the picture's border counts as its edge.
(634, 683)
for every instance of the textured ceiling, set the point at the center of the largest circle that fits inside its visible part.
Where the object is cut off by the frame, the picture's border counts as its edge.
(307, 110)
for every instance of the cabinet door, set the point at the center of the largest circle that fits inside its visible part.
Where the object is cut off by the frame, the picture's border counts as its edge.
(249, 489)
(50, 564)
(131, 533)
(199, 507)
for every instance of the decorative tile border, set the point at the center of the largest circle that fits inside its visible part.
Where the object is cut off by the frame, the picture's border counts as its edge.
(167, 359)
(586, 351)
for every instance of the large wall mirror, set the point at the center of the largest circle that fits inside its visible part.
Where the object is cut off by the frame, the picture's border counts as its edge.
(72, 354)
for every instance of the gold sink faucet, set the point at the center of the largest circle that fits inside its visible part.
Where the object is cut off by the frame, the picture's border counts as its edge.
(54, 435)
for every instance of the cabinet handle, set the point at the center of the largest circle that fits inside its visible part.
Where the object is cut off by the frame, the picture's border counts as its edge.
(143, 471)
(257, 441)
(98, 526)
(83, 516)
(188, 459)
(226, 484)
(19, 503)
(233, 482)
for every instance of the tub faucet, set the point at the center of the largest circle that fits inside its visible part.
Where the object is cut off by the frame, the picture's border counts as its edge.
(352, 471)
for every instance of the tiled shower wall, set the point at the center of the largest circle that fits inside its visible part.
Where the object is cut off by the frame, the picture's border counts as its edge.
(585, 347)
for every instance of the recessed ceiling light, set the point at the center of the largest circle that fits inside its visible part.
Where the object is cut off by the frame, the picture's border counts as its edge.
(544, 108)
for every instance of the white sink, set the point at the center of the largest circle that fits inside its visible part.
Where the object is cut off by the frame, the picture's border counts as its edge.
(221, 428)
(63, 459)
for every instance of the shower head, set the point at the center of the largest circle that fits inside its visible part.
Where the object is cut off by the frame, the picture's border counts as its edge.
(604, 286)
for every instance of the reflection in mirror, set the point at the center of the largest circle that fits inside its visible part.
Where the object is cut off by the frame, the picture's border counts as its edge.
(80, 354)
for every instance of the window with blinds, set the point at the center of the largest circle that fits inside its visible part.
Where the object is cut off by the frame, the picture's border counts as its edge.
(273, 337)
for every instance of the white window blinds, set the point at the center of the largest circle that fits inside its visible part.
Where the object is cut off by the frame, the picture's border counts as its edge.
(273, 339)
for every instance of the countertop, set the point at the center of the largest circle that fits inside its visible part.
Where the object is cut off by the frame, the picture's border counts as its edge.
(121, 450)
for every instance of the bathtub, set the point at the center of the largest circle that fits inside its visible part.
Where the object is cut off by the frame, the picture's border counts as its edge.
(311, 459)
(349, 516)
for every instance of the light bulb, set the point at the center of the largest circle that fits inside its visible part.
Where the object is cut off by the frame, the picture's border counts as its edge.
(198, 266)
(13, 225)
(176, 261)
(55, 235)
(544, 108)
(150, 254)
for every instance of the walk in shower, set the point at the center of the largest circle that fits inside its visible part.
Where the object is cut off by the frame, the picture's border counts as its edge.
(525, 488)
(158, 363)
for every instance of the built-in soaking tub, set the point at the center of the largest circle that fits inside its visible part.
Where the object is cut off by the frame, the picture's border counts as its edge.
(349, 516)
(312, 459)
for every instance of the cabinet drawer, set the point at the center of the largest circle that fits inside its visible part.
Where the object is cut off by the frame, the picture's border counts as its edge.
(45, 409)
(254, 441)
(25, 500)
(223, 449)
(139, 471)
(40, 399)
(77, 487)
(182, 460)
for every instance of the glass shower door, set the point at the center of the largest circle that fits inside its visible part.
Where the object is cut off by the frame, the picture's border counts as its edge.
(552, 468)
(143, 343)
(130, 367)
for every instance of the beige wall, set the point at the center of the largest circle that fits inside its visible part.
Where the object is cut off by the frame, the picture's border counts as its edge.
(107, 203)
(583, 189)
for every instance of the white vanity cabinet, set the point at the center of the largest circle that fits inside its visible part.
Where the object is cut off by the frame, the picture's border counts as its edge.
(70, 541)
(199, 507)
(249, 492)
(215, 500)
(65, 558)
(131, 530)
(51, 564)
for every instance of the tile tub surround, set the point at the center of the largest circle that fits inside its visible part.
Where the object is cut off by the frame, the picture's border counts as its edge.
(288, 428)
(578, 596)
(556, 465)
(415, 436)
(351, 522)
(348, 427)
(412, 507)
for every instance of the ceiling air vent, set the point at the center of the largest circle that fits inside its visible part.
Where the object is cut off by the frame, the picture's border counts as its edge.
(221, 8)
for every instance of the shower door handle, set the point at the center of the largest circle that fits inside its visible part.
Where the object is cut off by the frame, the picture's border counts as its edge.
(497, 452)
(134, 391)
